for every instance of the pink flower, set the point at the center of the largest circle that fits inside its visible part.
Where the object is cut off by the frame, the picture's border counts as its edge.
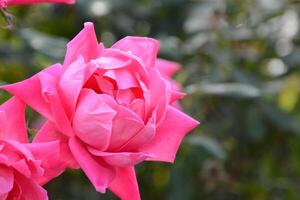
(5, 3)
(167, 70)
(22, 165)
(110, 108)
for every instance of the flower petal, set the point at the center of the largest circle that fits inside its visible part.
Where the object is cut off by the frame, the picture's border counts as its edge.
(120, 159)
(98, 173)
(49, 154)
(6, 180)
(144, 48)
(169, 135)
(138, 106)
(29, 88)
(93, 120)
(167, 68)
(46, 100)
(114, 59)
(18, 2)
(30, 189)
(72, 81)
(22, 167)
(84, 44)
(51, 96)
(12, 119)
(124, 120)
(49, 133)
(125, 185)
(144, 136)
(157, 96)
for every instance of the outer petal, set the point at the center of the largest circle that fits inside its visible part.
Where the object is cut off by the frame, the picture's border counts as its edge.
(29, 88)
(6, 180)
(125, 185)
(15, 193)
(30, 190)
(84, 44)
(51, 96)
(49, 154)
(12, 119)
(16, 151)
(169, 135)
(99, 174)
(157, 95)
(41, 94)
(16, 2)
(167, 68)
(176, 96)
(21, 159)
(49, 133)
(93, 120)
(144, 48)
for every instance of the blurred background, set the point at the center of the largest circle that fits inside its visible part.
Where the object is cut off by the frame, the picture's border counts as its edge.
(241, 69)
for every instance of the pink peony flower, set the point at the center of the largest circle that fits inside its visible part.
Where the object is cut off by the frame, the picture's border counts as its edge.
(110, 108)
(22, 165)
(5, 3)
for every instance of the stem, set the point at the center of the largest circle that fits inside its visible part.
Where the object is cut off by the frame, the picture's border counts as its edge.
(9, 19)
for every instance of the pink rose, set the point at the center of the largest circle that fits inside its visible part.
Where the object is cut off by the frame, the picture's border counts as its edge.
(5, 3)
(22, 166)
(110, 108)
(167, 70)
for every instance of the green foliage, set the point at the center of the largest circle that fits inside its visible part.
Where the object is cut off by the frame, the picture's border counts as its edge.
(240, 68)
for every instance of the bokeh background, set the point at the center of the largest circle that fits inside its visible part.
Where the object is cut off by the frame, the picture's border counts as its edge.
(240, 61)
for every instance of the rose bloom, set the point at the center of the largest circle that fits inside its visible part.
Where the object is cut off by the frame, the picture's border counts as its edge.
(111, 108)
(5, 3)
(23, 166)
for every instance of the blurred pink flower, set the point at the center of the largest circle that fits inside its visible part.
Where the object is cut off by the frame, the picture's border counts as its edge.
(168, 69)
(23, 166)
(111, 108)
(5, 3)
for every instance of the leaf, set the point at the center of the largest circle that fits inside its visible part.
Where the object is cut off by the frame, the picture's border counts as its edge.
(209, 144)
(280, 118)
(255, 124)
(225, 89)
(50, 46)
(289, 95)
